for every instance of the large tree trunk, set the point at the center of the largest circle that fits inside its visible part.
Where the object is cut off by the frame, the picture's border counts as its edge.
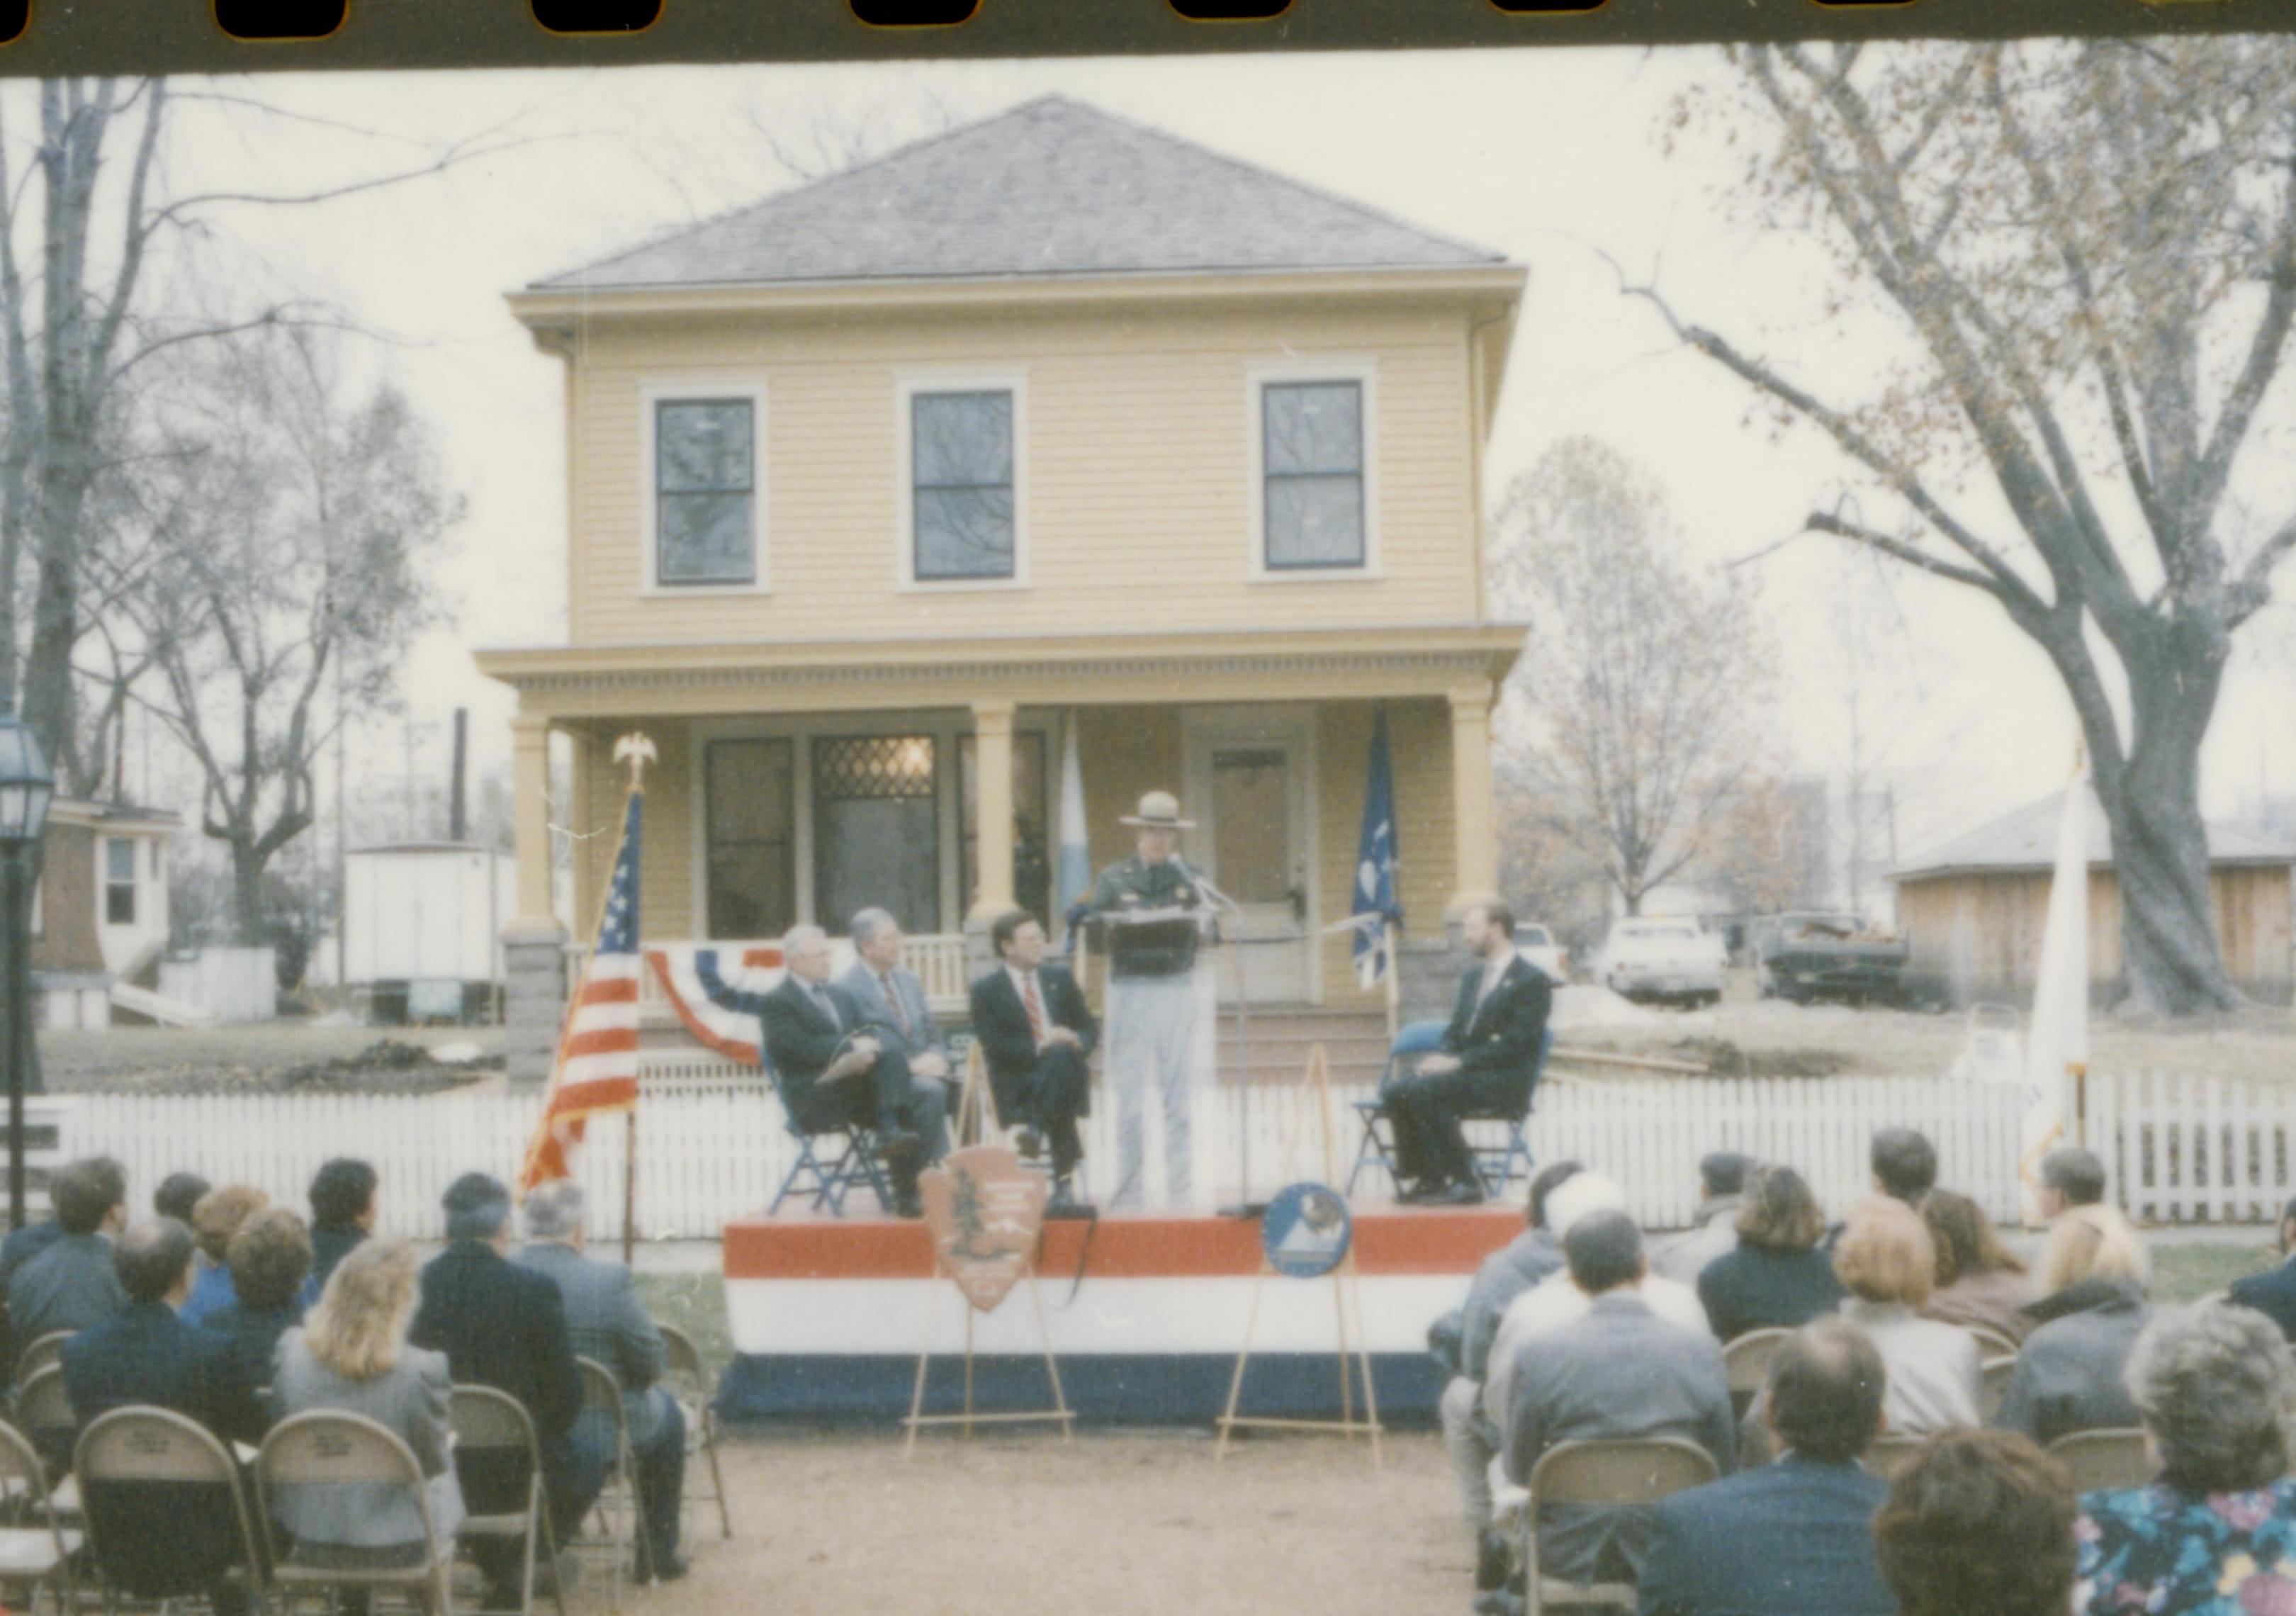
(247, 864)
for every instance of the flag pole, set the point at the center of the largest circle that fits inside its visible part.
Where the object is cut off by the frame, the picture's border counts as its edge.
(1394, 982)
(636, 757)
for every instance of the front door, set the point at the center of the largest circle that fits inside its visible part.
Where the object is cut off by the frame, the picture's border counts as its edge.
(1252, 778)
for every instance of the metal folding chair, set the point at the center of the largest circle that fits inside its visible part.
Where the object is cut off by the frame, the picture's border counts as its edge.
(1376, 1146)
(1889, 1454)
(1991, 1343)
(1496, 1164)
(1993, 1384)
(697, 1388)
(326, 1447)
(43, 1412)
(38, 1555)
(487, 1420)
(828, 1180)
(2105, 1459)
(1624, 1471)
(48, 1349)
(135, 1446)
(618, 1507)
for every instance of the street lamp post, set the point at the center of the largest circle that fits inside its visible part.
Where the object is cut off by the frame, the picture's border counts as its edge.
(26, 789)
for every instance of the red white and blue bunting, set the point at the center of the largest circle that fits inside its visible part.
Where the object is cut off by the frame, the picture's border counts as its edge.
(719, 993)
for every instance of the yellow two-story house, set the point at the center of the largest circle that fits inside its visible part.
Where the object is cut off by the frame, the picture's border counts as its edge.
(880, 486)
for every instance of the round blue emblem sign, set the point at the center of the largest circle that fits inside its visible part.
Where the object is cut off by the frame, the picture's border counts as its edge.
(1305, 1230)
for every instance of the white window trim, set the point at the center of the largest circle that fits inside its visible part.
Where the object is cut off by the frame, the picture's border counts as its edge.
(1259, 377)
(907, 386)
(698, 388)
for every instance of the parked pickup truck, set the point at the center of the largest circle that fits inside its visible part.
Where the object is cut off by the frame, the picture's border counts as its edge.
(1651, 958)
(1536, 944)
(1809, 956)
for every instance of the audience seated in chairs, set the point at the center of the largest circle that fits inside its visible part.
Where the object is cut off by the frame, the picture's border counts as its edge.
(1620, 1371)
(214, 1219)
(610, 1325)
(1778, 1278)
(1721, 1191)
(1979, 1281)
(72, 1283)
(2215, 1384)
(1796, 1537)
(1886, 1262)
(1037, 1037)
(343, 1214)
(2273, 1293)
(157, 1535)
(269, 1259)
(1904, 1164)
(2071, 1371)
(351, 1355)
(505, 1326)
(1979, 1523)
(1487, 1066)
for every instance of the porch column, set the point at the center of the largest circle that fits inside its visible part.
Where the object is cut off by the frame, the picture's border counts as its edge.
(992, 757)
(534, 964)
(1474, 826)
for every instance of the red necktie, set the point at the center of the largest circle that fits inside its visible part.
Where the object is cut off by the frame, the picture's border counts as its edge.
(893, 997)
(1036, 1008)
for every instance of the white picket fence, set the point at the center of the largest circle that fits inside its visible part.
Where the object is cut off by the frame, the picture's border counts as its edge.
(711, 1147)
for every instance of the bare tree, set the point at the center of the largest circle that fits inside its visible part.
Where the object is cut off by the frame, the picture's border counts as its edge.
(1645, 687)
(2092, 245)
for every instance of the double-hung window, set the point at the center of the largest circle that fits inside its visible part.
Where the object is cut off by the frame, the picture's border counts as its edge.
(706, 505)
(963, 504)
(1315, 508)
(119, 880)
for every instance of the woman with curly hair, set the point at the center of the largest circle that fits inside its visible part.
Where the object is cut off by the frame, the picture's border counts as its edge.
(1979, 1523)
(2216, 1535)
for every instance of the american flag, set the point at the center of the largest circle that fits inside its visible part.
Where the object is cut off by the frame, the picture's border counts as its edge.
(598, 1065)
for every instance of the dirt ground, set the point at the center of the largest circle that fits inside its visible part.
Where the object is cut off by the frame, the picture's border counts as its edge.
(1020, 1525)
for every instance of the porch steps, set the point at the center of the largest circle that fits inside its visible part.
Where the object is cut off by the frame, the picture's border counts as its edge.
(1354, 1041)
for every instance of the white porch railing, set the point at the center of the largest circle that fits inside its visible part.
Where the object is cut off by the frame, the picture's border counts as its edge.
(937, 957)
(711, 1147)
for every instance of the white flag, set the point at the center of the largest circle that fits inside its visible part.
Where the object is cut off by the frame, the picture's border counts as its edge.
(2056, 1051)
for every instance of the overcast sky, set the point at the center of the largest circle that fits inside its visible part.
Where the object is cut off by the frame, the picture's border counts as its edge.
(1546, 155)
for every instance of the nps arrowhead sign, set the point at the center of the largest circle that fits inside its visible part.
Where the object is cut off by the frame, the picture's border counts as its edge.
(984, 1210)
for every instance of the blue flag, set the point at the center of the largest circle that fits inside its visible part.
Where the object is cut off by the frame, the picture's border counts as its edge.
(1374, 896)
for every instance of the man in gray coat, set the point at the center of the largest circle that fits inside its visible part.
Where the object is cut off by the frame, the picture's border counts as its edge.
(892, 1001)
(610, 1325)
(1619, 1372)
(74, 1283)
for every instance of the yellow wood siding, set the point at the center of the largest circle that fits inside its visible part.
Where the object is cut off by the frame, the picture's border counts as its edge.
(1137, 450)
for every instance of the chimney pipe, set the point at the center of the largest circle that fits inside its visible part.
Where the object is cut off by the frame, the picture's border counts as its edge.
(457, 817)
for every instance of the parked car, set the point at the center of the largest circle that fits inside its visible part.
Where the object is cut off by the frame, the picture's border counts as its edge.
(1536, 944)
(1646, 957)
(1812, 954)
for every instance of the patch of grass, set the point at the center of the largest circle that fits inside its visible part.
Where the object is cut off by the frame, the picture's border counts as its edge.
(696, 1304)
(2186, 1272)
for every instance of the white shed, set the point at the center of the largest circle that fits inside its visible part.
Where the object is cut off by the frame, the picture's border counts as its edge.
(423, 922)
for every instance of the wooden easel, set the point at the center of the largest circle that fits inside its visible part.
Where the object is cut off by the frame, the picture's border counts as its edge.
(1346, 1298)
(976, 1105)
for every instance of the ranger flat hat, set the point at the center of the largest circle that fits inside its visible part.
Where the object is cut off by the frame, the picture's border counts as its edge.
(1159, 811)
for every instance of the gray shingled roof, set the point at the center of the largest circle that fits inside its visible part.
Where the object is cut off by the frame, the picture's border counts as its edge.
(1050, 188)
(2027, 841)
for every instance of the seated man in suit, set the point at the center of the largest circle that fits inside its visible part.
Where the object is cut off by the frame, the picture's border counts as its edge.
(73, 1282)
(1488, 1061)
(1795, 1538)
(162, 1539)
(610, 1325)
(834, 1072)
(892, 1000)
(1037, 1034)
(1621, 1371)
(505, 1326)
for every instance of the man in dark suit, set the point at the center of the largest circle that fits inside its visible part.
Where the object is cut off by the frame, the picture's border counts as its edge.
(343, 1214)
(1037, 1034)
(162, 1539)
(834, 1072)
(505, 1326)
(1796, 1537)
(2273, 1293)
(1488, 1062)
(73, 1282)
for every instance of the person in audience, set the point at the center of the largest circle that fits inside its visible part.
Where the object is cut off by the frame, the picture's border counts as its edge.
(1555, 1302)
(342, 1213)
(269, 1259)
(214, 1219)
(1978, 1523)
(1979, 1281)
(610, 1325)
(178, 1194)
(1795, 1538)
(2273, 1293)
(1721, 1191)
(1036, 1035)
(1903, 1163)
(1470, 1438)
(505, 1326)
(2216, 1532)
(158, 1539)
(2071, 1371)
(74, 1283)
(2070, 1176)
(1620, 1371)
(351, 1355)
(1887, 1263)
(1778, 1278)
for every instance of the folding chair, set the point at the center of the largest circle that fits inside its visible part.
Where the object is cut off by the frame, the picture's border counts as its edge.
(1747, 1359)
(327, 1448)
(828, 1181)
(1887, 1454)
(1624, 1471)
(490, 1421)
(1376, 1148)
(1991, 1343)
(697, 1388)
(48, 1349)
(1993, 1384)
(2105, 1459)
(618, 1508)
(43, 1412)
(152, 1475)
(36, 1554)
(1496, 1165)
